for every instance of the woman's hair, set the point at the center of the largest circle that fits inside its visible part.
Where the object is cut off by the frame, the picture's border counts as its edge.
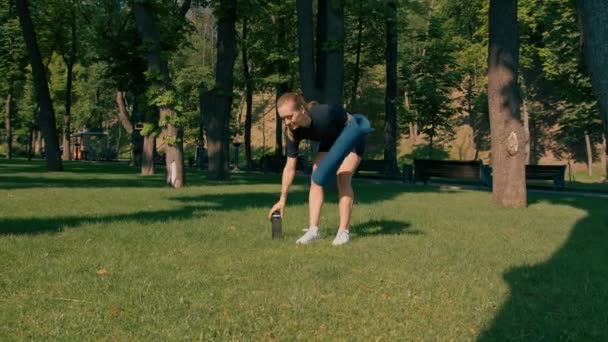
(299, 102)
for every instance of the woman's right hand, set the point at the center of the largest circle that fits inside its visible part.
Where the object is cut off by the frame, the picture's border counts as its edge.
(280, 206)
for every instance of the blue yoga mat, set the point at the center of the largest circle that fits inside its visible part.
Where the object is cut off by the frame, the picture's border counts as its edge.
(354, 131)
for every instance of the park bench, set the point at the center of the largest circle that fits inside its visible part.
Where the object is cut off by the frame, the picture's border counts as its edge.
(555, 173)
(425, 169)
(377, 168)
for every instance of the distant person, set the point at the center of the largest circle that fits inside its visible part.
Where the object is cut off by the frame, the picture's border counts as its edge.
(322, 123)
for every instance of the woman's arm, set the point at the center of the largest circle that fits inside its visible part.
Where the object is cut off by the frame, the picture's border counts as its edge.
(289, 172)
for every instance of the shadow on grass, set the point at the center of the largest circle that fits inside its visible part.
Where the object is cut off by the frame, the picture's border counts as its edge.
(382, 227)
(566, 297)
(40, 225)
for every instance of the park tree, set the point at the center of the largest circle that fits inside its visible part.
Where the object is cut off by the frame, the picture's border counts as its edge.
(61, 18)
(116, 47)
(465, 24)
(390, 126)
(321, 53)
(13, 62)
(216, 102)
(507, 131)
(434, 79)
(46, 116)
(161, 88)
(594, 25)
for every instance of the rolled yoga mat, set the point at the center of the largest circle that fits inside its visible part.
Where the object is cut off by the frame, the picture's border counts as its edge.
(352, 133)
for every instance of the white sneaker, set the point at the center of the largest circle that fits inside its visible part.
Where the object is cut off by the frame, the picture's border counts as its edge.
(311, 235)
(341, 238)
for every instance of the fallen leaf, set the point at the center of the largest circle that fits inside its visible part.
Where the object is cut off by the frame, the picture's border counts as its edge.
(115, 311)
(103, 271)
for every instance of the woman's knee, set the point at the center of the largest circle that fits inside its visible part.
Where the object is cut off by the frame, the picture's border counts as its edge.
(344, 180)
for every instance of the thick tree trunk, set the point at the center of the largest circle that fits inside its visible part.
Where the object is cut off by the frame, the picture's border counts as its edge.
(320, 50)
(220, 99)
(147, 157)
(589, 151)
(390, 102)
(9, 128)
(603, 158)
(334, 72)
(306, 49)
(594, 20)
(174, 157)
(507, 131)
(67, 155)
(46, 117)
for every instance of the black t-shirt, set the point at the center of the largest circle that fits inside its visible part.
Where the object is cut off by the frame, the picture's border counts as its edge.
(327, 123)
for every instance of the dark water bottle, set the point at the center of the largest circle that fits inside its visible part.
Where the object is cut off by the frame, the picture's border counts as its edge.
(277, 231)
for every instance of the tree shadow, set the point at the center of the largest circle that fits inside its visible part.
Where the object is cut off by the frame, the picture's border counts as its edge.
(38, 225)
(565, 297)
(382, 227)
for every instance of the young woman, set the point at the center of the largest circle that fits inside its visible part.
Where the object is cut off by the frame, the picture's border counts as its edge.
(322, 123)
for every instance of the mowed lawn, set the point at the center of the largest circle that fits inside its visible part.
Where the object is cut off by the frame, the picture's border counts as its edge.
(99, 252)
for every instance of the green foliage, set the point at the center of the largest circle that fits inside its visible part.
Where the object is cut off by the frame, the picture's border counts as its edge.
(434, 78)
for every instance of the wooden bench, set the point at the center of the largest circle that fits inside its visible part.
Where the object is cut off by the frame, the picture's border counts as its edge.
(425, 169)
(377, 166)
(555, 173)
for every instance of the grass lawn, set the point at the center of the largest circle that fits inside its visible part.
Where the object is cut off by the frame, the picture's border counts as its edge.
(101, 253)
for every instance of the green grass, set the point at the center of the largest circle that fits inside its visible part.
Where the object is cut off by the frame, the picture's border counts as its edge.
(199, 263)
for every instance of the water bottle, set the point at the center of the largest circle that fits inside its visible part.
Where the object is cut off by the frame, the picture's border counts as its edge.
(277, 231)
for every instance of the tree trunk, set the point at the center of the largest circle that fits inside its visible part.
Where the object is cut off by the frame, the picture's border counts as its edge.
(278, 136)
(594, 20)
(135, 136)
(67, 155)
(37, 142)
(174, 157)
(390, 102)
(589, 154)
(431, 136)
(30, 144)
(526, 121)
(306, 49)
(248, 98)
(603, 158)
(472, 117)
(9, 129)
(147, 157)
(507, 132)
(334, 72)
(219, 99)
(353, 98)
(411, 125)
(320, 50)
(46, 117)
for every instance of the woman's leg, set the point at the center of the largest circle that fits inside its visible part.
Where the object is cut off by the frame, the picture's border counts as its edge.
(315, 196)
(345, 189)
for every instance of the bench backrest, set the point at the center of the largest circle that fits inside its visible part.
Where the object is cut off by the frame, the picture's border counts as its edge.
(424, 168)
(545, 171)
